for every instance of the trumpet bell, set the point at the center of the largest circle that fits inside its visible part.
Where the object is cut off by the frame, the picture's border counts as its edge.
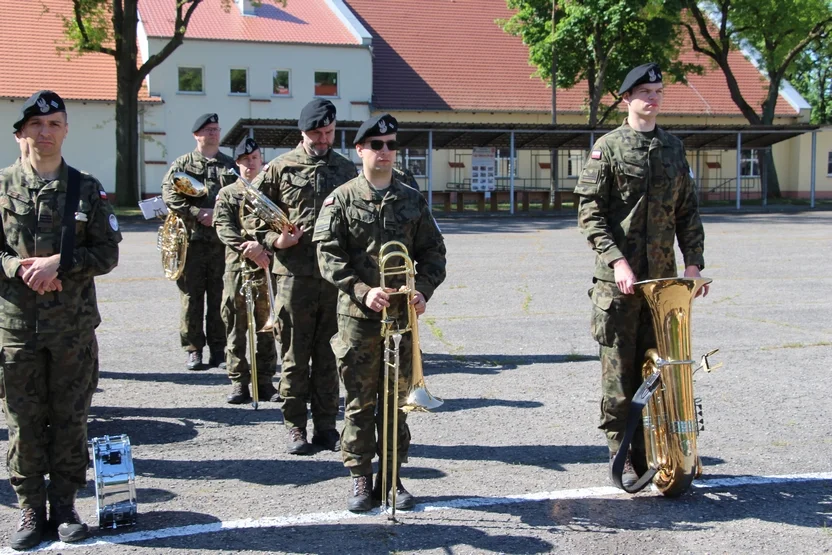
(419, 399)
(187, 185)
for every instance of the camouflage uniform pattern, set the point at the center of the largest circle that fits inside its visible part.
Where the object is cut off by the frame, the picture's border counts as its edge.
(406, 176)
(48, 350)
(204, 264)
(234, 310)
(355, 222)
(298, 183)
(637, 196)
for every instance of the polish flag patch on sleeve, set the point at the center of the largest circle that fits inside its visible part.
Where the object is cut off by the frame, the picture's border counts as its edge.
(596, 155)
(329, 200)
(102, 194)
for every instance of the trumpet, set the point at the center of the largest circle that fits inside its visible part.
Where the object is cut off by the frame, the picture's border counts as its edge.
(418, 397)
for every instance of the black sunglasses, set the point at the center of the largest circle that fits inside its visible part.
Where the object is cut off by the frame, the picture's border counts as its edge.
(378, 144)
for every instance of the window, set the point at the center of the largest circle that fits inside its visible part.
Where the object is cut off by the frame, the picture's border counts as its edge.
(280, 82)
(501, 162)
(574, 163)
(190, 80)
(326, 83)
(239, 81)
(415, 160)
(749, 165)
(829, 165)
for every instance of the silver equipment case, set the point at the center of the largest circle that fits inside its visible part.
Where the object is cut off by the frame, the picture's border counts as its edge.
(115, 481)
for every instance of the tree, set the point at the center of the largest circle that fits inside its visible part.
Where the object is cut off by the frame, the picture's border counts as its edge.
(111, 27)
(774, 32)
(811, 75)
(599, 41)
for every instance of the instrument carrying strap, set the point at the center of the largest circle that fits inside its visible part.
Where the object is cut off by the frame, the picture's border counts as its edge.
(640, 399)
(73, 196)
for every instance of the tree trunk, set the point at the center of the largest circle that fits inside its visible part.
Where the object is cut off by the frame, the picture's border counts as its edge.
(127, 142)
(554, 193)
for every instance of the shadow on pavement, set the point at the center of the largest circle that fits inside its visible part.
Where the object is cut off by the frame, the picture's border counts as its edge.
(266, 471)
(438, 363)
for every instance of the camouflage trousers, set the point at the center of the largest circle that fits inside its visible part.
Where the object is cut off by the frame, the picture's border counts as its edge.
(235, 318)
(201, 284)
(359, 349)
(306, 317)
(623, 327)
(46, 387)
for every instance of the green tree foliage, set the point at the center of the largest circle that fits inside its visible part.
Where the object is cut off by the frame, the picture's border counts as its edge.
(778, 31)
(599, 41)
(811, 75)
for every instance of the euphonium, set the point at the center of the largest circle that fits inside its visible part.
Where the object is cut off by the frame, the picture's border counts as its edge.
(172, 238)
(418, 398)
(670, 421)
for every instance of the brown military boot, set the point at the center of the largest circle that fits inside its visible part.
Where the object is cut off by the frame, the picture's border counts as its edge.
(267, 392)
(194, 360)
(239, 394)
(327, 439)
(360, 499)
(404, 500)
(70, 527)
(29, 529)
(628, 476)
(296, 443)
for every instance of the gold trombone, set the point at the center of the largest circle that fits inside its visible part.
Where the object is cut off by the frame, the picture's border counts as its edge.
(418, 398)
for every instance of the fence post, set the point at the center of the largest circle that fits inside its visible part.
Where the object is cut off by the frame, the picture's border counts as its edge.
(739, 169)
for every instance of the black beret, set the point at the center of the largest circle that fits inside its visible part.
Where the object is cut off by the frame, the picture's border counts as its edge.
(647, 73)
(42, 103)
(318, 113)
(246, 147)
(204, 120)
(383, 124)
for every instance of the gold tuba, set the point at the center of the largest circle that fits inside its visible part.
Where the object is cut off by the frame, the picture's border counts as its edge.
(172, 238)
(671, 425)
(418, 396)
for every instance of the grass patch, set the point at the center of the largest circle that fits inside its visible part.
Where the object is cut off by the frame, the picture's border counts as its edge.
(527, 299)
(797, 346)
(127, 211)
(434, 329)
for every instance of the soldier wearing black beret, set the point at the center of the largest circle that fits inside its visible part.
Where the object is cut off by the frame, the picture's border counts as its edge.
(636, 199)
(298, 182)
(57, 232)
(205, 260)
(356, 220)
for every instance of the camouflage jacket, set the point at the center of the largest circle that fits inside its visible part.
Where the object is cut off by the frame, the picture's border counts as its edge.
(32, 211)
(298, 184)
(211, 172)
(356, 221)
(635, 196)
(229, 226)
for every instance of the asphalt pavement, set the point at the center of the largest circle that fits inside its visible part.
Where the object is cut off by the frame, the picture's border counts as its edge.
(513, 461)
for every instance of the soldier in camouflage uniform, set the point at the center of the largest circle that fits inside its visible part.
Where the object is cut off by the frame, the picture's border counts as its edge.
(357, 219)
(48, 316)
(205, 261)
(298, 182)
(243, 252)
(636, 194)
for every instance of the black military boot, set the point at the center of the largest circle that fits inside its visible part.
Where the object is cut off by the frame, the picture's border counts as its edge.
(194, 360)
(239, 394)
(267, 392)
(217, 360)
(327, 439)
(296, 442)
(360, 499)
(66, 519)
(404, 500)
(628, 476)
(30, 528)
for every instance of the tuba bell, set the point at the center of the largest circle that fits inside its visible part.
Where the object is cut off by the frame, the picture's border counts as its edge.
(172, 237)
(670, 418)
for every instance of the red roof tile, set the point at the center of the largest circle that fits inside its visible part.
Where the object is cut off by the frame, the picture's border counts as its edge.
(300, 21)
(30, 33)
(451, 55)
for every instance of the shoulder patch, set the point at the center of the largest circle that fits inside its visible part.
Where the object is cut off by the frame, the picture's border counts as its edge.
(596, 155)
(102, 194)
(113, 222)
(329, 201)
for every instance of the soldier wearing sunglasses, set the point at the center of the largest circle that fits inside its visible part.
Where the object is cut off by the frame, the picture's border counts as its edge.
(356, 220)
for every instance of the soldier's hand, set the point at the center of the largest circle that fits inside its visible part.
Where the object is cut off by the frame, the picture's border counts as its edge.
(252, 249)
(289, 237)
(693, 272)
(419, 302)
(377, 298)
(39, 273)
(206, 217)
(263, 260)
(624, 276)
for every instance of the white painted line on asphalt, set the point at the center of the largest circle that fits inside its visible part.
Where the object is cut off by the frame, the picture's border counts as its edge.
(455, 504)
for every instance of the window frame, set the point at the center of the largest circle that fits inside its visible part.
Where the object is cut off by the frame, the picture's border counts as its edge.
(337, 83)
(179, 83)
(829, 164)
(407, 157)
(574, 163)
(752, 157)
(232, 93)
(288, 83)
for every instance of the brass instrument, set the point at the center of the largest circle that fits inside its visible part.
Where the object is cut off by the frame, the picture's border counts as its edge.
(249, 292)
(418, 397)
(172, 237)
(671, 426)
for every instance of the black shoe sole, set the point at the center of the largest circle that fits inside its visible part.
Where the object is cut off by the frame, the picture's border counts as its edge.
(237, 401)
(25, 546)
(76, 537)
(362, 508)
